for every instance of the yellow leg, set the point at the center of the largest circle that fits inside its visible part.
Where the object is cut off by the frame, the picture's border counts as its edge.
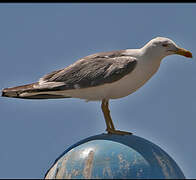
(109, 117)
(110, 126)
(104, 110)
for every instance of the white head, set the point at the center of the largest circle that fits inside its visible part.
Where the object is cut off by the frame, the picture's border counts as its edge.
(160, 47)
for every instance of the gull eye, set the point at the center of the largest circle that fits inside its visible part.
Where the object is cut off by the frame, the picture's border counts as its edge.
(164, 45)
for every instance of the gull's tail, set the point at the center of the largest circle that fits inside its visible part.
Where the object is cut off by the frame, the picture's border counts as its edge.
(29, 91)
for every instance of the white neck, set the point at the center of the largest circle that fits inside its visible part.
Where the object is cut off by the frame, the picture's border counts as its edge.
(149, 52)
(144, 52)
(133, 53)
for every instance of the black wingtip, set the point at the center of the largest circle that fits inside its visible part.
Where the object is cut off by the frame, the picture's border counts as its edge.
(8, 93)
(3, 93)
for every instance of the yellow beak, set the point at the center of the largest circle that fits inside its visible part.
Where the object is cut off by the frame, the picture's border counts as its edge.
(184, 52)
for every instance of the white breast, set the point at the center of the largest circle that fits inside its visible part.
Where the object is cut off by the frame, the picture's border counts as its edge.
(133, 81)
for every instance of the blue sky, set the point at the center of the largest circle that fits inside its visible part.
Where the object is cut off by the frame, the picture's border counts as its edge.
(36, 39)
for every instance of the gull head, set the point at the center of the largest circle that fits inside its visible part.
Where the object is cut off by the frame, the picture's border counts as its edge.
(161, 47)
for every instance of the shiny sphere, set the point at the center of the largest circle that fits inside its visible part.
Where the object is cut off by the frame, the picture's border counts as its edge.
(114, 157)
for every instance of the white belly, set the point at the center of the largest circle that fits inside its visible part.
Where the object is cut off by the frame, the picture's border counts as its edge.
(123, 87)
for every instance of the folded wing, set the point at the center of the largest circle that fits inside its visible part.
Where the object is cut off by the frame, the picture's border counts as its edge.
(91, 71)
(87, 73)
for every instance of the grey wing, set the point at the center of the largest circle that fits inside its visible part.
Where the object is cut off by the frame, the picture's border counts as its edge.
(90, 72)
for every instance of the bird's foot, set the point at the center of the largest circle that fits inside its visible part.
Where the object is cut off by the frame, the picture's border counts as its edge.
(113, 131)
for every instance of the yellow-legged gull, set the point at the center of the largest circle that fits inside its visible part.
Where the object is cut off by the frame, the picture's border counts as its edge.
(102, 76)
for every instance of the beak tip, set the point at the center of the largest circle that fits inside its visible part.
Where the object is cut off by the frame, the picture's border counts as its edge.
(184, 52)
(189, 55)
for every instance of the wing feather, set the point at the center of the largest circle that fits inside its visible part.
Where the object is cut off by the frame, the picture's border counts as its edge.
(89, 72)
